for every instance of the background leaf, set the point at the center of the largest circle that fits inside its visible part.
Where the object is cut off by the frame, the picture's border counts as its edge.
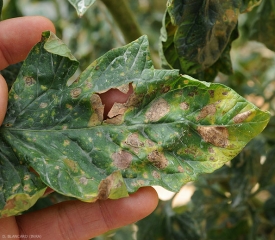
(165, 223)
(81, 6)
(260, 22)
(196, 38)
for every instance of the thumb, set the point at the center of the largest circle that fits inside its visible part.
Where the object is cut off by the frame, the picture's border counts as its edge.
(3, 98)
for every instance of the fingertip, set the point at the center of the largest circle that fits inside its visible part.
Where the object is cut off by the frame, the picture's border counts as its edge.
(129, 210)
(148, 199)
(44, 22)
(21, 34)
(3, 98)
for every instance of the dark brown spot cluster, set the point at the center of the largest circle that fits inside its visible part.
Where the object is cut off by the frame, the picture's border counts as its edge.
(165, 89)
(216, 135)
(211, 93)
(104, 189)
(205, 111)
(158, 159)
(133, 140)
(97, 110)
(29, 81)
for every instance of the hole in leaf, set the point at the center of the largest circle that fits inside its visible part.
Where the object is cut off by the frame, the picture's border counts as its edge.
(113, 96)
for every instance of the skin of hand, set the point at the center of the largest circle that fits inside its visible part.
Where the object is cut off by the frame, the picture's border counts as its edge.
(74, 219)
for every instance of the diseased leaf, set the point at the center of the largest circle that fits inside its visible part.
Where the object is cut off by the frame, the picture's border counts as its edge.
(20, 188)
(261, 22)
(171, 129)
(81, 6)
(201, 32)
(228, 202)
(196, 36)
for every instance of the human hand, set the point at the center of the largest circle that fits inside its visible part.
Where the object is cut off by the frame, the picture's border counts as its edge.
(73, 219)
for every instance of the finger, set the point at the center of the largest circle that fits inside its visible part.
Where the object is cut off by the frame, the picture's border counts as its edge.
(3, 98)
(79, 220)
(19, 35)
(8, 226)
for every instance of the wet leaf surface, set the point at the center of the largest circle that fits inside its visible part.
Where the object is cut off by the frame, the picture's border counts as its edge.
(81, 6)
(171, 129)
(196, 37)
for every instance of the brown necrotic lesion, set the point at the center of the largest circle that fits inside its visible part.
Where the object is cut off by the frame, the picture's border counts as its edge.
(216, 135)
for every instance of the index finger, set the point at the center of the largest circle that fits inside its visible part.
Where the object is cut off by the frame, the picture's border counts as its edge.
(19, 35)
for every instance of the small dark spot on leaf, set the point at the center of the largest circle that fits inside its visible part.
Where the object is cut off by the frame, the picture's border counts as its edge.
(156, 174)
(191, 150)
(184, 106)
(217, 135)
(165, 89)
(72, 165)
(83, 180)
(193, 93)
(69, 106)
(27, 188)
(27, 177)
(122, 159)
(76, 92)
(89, 85)
(211, 93)
(180, 169)
(104, 189)
(133, 140)
(43, 39)
(212, 158)
(241, 117)
(158, 159)
(29, 81)
(225, 93)
(43, 105)
(211, 150)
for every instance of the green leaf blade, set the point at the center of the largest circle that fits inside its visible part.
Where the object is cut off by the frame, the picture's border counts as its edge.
(170, 130)
(20, 188)
(81, 6)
